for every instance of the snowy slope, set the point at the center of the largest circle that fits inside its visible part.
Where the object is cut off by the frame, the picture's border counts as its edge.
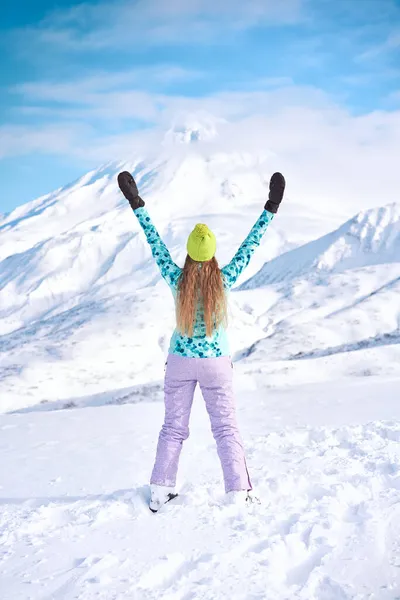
(74, 524)
(370, 238)
(335, 295)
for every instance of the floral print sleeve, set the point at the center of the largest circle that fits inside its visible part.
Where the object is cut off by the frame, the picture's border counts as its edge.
(169, 270)
(239, 262)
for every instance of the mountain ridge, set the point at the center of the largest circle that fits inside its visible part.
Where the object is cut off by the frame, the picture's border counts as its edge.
(369, 237)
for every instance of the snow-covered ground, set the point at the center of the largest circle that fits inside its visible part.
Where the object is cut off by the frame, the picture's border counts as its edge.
(84, 327)
(74, 522)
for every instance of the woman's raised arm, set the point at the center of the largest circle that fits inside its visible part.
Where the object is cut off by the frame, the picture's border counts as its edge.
(239, 262)
(169, 270)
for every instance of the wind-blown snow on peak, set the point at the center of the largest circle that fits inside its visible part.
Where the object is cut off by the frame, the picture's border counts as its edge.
(194, 128)
(372, 237)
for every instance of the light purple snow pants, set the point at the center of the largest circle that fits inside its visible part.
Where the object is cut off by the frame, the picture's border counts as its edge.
(215, 378)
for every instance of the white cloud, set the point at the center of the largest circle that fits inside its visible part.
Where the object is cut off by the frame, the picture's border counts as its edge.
(93, 27)
(291, 118)
(84, 89)
(17, 140)
(271, 82)
(326, 151)
(176, 10)
(392, 43)
(115, 98)
(269, 9)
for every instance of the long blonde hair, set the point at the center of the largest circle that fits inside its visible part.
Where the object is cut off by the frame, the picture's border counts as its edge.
(201, 282)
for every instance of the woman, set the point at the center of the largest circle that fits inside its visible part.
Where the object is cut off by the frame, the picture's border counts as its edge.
(199, 351)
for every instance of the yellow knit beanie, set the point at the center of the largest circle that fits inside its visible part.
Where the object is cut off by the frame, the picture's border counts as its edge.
(201, 244)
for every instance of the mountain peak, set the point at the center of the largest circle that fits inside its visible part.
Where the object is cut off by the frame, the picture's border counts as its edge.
(193, 128)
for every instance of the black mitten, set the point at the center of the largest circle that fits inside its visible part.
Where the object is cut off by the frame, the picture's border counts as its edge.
(129, 189)
(276, 190)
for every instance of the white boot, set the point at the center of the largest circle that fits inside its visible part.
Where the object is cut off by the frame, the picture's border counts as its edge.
(160, 495)
(241, 497)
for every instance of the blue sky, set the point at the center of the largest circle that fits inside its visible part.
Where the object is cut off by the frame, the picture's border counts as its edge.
(80, 81)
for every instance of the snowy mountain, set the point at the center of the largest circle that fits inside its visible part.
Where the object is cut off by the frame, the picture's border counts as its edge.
(85, 321)
(370, 238)
(334, 295)
(76, 273)
(75, 257)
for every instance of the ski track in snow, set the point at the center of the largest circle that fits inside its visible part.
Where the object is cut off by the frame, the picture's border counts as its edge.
(328, 526)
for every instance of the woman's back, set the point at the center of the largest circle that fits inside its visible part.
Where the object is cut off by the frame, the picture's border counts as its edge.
(200, 288)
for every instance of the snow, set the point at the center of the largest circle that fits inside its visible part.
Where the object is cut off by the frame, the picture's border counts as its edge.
(85, 322)
(75, 523)
(372, 237)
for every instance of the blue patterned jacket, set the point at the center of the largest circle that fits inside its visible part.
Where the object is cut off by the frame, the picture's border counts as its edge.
(201, 346)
